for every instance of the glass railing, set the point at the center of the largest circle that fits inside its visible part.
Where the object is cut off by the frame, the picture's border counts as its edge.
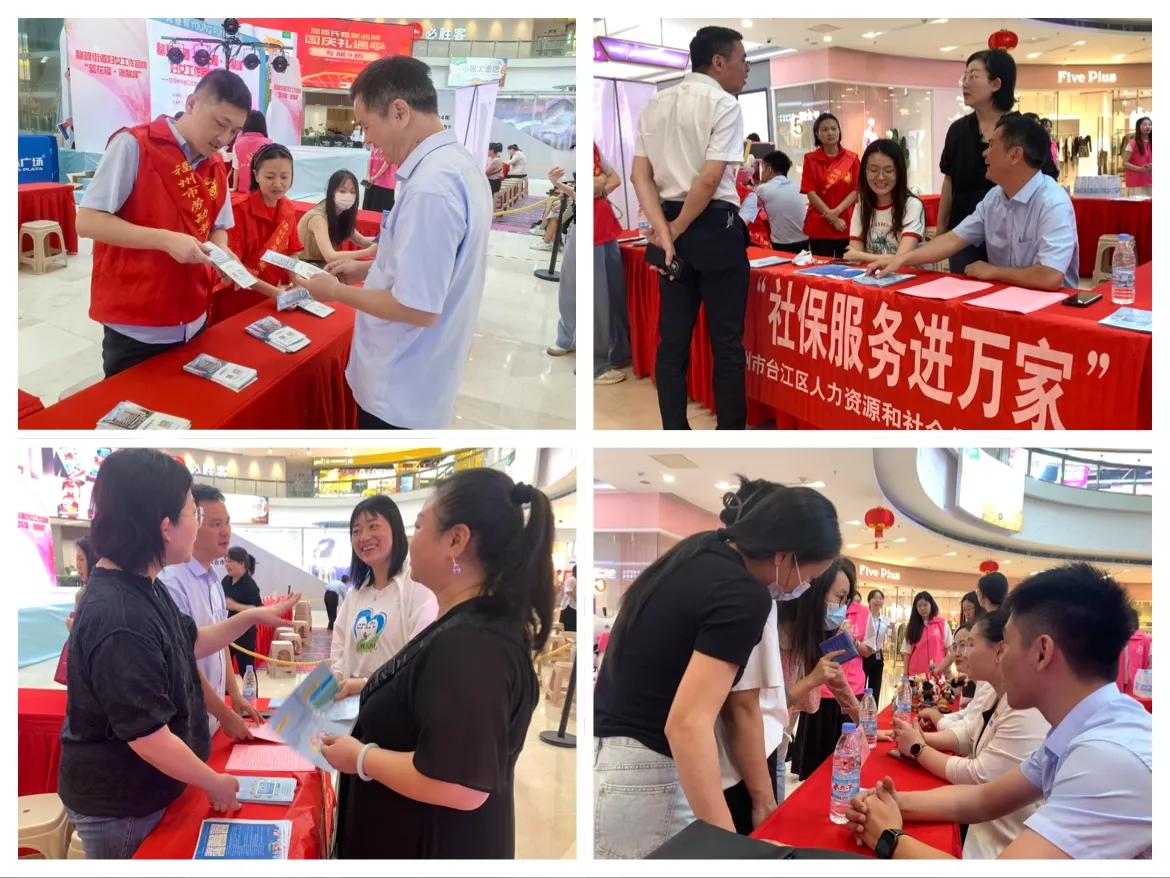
(1115, 472)
(399, 477)
(541, 47)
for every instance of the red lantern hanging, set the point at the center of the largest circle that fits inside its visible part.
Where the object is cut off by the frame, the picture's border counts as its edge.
(988, 567)
(418, 30)
(879, 519)
(1003, 39)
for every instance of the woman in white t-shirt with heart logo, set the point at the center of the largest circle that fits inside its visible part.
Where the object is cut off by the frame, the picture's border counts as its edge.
(888, 219)
(386, 608)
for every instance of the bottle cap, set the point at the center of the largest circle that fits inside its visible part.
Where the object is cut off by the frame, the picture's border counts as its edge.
(848, 727)
(250, 668)
(869, 692)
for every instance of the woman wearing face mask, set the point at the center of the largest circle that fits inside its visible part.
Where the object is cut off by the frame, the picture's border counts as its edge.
(927, 637)
(829, 179)
(684, 635)
(987, 745)
(326, 227)
(802, 631)
(264, 220)
(385, 608)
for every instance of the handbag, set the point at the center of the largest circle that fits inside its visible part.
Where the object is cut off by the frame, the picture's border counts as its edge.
(63, 664)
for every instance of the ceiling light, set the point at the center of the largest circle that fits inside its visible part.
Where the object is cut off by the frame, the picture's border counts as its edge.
(908, 560)
(827, 38)
(269, 450)
(1119, 57)
(1126, 570)
(747, 22)
(950, 554)
(1079, 43)
(853, 522)
(900, 540)
(948, 48)
(1033, 54)
(940, 21)
(1008, 561)
(723, 486)
(852, 545)
(668, 478)
(872, 35)
(813, 485)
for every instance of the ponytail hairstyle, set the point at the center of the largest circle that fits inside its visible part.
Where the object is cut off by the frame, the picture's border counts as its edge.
(515, 554)
(765, 518)
(244, 558)
(380, 506)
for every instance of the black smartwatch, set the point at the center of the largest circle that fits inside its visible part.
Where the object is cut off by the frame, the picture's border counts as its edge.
(887, 843)
(916, 750)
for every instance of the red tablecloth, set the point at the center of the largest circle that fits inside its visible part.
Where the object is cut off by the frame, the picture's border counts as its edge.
(817, 358)
(803, 819)
(49, 201)
(1095, 217)
(1147, 703)
(39, 716)
(27, 404)
(302, 391)
(264, 632)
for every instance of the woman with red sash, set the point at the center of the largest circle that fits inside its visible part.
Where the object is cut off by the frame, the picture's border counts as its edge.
(829, 180)
(264, 220)
(927, 637)
(752, 212)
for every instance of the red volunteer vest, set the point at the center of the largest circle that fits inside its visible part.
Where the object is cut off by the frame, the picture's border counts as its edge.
(256, 231)
(606, 228)
(147, 287)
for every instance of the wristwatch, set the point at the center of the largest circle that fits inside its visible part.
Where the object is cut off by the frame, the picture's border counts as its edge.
(887, 843)
(916, 750)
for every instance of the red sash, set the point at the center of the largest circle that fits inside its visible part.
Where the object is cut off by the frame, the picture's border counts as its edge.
(606, 228)
(194, 193)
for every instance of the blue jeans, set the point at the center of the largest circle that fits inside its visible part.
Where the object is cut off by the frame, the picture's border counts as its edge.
(611, 310)
(113, 838)
(567, 294)
(638, 800)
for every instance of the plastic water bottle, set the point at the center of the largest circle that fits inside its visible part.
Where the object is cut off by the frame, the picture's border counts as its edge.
(862, 744)
(869, 714)
(904, 701)
(250, 685)
(643, 223)
(846, 773)
(1124, 266)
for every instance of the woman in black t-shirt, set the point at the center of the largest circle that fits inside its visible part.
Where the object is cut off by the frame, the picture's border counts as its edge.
(442, 724)
(240, 593)
(989, 89)
(686, 629)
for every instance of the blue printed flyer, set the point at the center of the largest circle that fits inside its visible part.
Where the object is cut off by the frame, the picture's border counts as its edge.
(243, 840)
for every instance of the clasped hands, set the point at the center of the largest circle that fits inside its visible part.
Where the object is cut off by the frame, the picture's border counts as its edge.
(874, 811)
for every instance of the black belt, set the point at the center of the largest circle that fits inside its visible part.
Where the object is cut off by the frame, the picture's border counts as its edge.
(717, 205)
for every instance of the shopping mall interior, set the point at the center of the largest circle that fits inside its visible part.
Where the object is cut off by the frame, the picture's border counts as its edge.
(895, 78)
(290, 509)
(954, 513)
(500, 80)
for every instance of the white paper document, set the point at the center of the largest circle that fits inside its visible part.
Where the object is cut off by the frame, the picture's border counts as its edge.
(296, 266)
(945, 288)
(229, 265)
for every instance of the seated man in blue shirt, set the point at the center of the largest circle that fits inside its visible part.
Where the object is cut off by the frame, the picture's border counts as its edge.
(1026, 221)
(1093, 775)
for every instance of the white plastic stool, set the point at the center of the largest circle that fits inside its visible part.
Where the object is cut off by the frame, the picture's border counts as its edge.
(281, 651)
(42, 252)
(76, 849)
(43, 825)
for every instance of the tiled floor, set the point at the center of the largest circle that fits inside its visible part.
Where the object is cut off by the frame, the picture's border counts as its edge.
(509, 381)
(546, 776)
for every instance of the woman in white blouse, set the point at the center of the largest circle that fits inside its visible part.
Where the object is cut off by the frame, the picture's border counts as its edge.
(989, 744)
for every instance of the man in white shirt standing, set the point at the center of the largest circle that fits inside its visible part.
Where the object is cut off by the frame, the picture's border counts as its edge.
(690, 142)
(877, 626)
(785, 204)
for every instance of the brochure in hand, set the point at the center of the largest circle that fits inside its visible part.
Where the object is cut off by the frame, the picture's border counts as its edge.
(269, 790)
(840, 641)
(129, 416)
(283, 338)
(229, 265)
(304, 269)
(1130, 318)
(310, 712)
(298, 297)
(223, 839)
(230, 375)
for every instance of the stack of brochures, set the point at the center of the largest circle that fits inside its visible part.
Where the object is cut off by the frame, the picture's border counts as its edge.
(223, 839)
(129, 416)
(283, 338)
(304, 269)
(1131, 318)
(298, 297)
(230, 375)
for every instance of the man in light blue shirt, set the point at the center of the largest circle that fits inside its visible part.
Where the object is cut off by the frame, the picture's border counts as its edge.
(1092, 777)
(418, 308)
(1026, 221)
(785, 205)
(197, 590)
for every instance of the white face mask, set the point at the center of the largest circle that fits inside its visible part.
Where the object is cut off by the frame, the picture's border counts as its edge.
(779, 594)
(344, 202)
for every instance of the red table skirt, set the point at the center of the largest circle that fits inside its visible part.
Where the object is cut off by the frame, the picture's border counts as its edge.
(1095, 217)
(264, 632)
(49, 201)
(302, 391)
(798, 360)
(803, 819)
(27, 404)
(40, 714)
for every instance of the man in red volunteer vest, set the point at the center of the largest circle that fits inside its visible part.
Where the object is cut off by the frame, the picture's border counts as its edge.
(159, 193)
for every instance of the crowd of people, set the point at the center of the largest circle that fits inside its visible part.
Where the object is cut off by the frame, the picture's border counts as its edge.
(999, 176)
(713, 676)
(161, 194)
(446, 680)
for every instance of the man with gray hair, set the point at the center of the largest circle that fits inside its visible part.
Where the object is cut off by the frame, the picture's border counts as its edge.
(418, 308)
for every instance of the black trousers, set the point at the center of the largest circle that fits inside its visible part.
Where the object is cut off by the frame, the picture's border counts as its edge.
(829, 248)
(569, 618)
(739, 800)
(715, 275)
(958, 263)
(874, 667)
(367, 421)
(121, 352)
(331, 601)
(495, 184)
(378, 198)
(791, 248)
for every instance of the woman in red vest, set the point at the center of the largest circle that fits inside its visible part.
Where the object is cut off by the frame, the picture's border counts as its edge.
(829, 179)
(927, 637)
(264, 220)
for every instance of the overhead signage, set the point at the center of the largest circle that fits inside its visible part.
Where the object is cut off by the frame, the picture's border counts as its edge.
(879, 573)
(1071, 77)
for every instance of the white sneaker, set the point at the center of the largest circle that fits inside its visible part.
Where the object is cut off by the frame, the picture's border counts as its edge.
(537, 230)
(610, 376)
(542, 246)
(557, 351)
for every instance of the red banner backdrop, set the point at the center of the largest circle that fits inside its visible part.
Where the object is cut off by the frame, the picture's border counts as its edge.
(332, 51)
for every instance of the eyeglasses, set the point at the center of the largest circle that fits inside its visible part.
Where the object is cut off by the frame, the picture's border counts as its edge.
(881, 173)
(962, 647)
(971, 77)
(199, 516)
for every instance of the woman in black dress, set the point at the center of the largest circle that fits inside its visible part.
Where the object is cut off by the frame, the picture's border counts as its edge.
(241, 593)
(442, 724)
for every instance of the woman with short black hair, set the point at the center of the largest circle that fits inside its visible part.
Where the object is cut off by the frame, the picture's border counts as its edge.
(442, 724)
(136, 731)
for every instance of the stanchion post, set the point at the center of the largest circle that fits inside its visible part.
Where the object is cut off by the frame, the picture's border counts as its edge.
(561, 737)
(551, 272)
